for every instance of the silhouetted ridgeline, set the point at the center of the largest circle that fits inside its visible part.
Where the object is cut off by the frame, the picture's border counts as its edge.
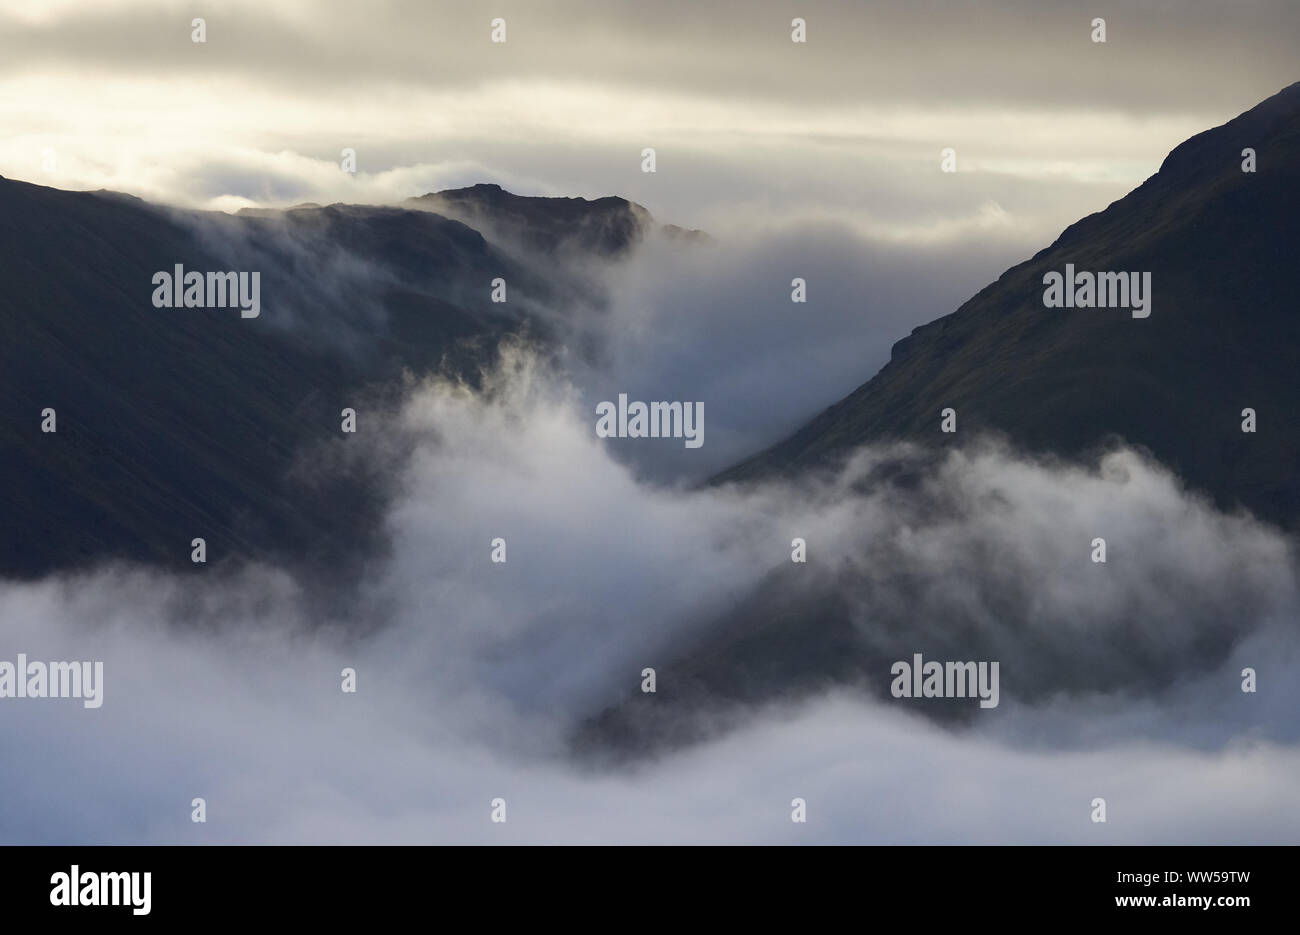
(174, 423)
(1223, 248)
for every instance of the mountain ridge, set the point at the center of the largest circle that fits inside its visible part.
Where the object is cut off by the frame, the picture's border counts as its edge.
(182, 423)
(1186, 223)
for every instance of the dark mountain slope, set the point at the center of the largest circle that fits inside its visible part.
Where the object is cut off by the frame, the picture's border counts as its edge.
(175, 423)
(1223, 247)
(1224, 334)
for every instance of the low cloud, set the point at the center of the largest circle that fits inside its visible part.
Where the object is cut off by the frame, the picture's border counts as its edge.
(471, 675)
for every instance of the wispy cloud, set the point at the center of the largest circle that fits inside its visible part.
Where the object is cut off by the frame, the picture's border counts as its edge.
(229, 687)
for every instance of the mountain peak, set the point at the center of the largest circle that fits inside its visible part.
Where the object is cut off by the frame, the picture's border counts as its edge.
(607, 226)
(1248, 129)
(491, 190)
(1219, 244)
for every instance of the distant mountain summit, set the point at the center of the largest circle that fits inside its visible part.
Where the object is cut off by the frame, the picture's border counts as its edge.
(1222, 246)
(608, 226)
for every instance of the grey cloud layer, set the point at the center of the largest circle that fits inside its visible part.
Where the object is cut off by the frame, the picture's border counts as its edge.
(228, 688)
(1021, 51)
(716, 324)
(672, 321)
(750, 127)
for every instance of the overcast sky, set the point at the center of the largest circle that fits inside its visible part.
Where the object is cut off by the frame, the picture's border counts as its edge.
(750, 128)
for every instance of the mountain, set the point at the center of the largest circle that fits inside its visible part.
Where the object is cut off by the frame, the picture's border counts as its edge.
(176, 423)
(606, 227)
(1223, 250)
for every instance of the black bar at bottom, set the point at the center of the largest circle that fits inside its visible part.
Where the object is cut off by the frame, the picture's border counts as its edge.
(379, 884)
